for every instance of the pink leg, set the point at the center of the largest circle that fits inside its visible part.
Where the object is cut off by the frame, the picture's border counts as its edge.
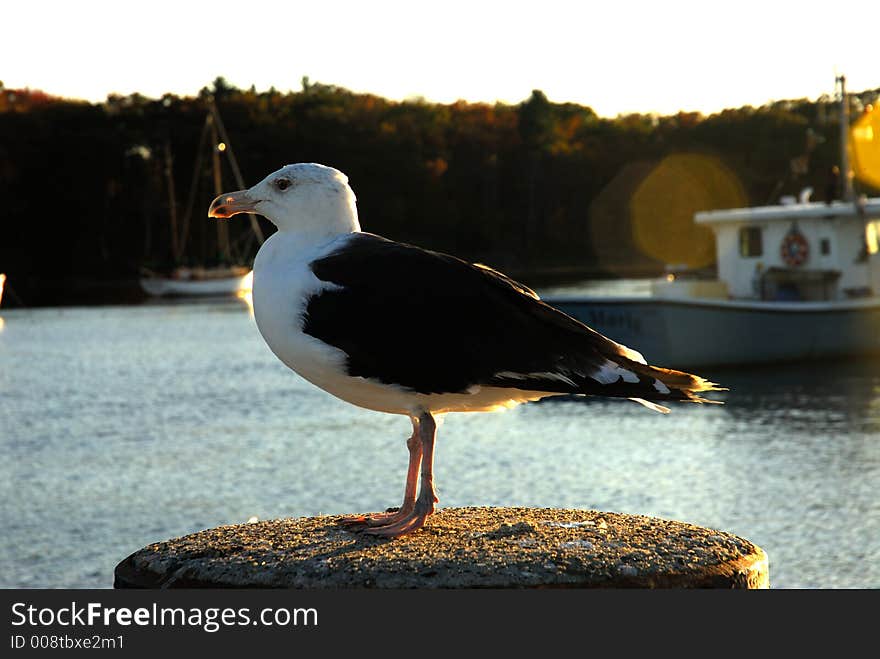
(415, 518)
(409, 495)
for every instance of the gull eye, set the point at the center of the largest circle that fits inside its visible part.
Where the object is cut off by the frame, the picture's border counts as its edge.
(282, 183)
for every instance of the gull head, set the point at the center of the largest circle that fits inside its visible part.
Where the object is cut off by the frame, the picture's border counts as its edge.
(305, 197)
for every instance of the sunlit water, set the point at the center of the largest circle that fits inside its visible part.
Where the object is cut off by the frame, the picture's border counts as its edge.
(122, 426)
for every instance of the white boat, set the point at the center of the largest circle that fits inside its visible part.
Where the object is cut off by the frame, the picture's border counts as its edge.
(202, 281)
(795, 281)
(761, 308)
(199, 282)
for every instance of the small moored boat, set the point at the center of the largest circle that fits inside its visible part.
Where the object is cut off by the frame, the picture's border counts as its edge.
(798, 280)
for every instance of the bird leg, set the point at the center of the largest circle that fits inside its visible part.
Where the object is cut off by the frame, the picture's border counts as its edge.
(414, 445)
(413, 519)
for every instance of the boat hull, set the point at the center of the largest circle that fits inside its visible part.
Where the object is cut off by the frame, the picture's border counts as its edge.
(681, 333)
(213, 287)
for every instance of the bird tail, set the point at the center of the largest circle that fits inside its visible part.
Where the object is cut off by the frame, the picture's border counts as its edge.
(670, 385)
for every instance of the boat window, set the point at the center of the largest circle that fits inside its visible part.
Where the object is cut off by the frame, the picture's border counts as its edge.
(750, 243)
(825, 247)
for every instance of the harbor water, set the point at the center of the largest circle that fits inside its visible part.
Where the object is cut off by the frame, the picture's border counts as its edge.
(126, 425)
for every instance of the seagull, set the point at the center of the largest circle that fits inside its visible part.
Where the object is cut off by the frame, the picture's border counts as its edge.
(399, 329)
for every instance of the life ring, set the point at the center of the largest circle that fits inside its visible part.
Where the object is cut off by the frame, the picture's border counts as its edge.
(794, 249)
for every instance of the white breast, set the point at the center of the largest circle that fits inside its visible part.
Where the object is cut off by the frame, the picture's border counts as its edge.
(283, 284)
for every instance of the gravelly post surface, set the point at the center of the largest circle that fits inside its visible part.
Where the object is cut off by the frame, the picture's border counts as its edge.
(457, 548)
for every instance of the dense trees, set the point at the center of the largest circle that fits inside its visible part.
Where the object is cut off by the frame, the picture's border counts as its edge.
(530, 188)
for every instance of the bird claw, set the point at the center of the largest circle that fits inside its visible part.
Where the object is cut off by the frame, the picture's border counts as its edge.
(403, 522)
(353, 521)
(359, 522)
(411, 523)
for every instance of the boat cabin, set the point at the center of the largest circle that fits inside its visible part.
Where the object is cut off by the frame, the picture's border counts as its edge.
(798, 250)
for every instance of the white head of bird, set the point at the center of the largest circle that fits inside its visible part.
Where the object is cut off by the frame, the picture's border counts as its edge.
(307, 198)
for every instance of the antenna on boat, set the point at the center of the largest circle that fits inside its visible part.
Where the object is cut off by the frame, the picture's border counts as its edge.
(846, 174)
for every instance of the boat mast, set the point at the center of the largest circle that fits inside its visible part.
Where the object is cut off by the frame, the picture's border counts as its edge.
(846, 174)
(214, 131)
(223, 246)
(233, 163)
(172, 203)
(193, 186)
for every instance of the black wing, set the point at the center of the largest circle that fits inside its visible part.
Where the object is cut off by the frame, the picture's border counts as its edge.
(436, 324)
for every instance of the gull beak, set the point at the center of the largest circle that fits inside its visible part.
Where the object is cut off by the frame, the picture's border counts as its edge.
(232, 203)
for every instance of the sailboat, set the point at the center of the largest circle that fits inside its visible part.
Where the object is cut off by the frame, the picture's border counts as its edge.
(202, 281)
(199, 282)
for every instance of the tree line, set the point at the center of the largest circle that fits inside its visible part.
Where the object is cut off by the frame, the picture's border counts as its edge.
(89, 189)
